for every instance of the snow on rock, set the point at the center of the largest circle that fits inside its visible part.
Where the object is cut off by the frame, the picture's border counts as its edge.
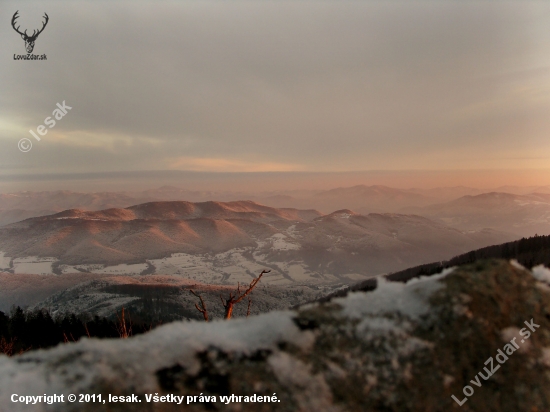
(541, 273)
(402, 347)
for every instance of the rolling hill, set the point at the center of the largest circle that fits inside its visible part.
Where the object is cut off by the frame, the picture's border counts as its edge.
(219, 243)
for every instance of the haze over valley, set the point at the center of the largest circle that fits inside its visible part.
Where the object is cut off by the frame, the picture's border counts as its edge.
(209, 243)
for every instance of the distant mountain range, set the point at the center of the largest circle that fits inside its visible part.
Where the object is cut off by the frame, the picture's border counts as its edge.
(524, 215)
(364, 199)
(522, 211)
(219, 243)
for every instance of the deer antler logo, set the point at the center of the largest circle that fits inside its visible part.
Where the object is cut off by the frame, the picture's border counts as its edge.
(29, 40)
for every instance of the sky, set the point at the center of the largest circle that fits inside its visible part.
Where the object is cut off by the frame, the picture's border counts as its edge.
(428, 92)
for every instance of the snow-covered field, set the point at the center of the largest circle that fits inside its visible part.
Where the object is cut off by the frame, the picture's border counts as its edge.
(122, 269)
(4, 261)
(280, 242)
(33, 265)
(235, 266)
(238, 265)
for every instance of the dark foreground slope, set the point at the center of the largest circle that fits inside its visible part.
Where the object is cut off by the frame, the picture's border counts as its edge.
(528, 252)
(403, 347)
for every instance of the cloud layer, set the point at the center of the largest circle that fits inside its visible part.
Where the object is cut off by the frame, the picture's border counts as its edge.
(278, 86)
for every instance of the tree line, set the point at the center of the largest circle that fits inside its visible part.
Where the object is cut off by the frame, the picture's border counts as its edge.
(22, 330)
(529, 252)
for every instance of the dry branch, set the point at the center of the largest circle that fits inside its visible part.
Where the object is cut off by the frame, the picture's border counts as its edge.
(202, 309)
(6, 347)
(123, 331)
(233, 300)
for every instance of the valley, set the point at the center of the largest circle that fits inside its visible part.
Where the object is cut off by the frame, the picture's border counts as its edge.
(226, 243)
(79, 261)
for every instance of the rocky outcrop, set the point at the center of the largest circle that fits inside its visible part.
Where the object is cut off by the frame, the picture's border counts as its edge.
(402, 347)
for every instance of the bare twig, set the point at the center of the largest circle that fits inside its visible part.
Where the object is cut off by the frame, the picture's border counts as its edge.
(121, 326)
(202, 309)
(248, 310)
(7, 347)
(232, 301)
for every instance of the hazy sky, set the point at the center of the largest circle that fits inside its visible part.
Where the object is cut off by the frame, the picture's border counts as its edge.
(256, 86)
